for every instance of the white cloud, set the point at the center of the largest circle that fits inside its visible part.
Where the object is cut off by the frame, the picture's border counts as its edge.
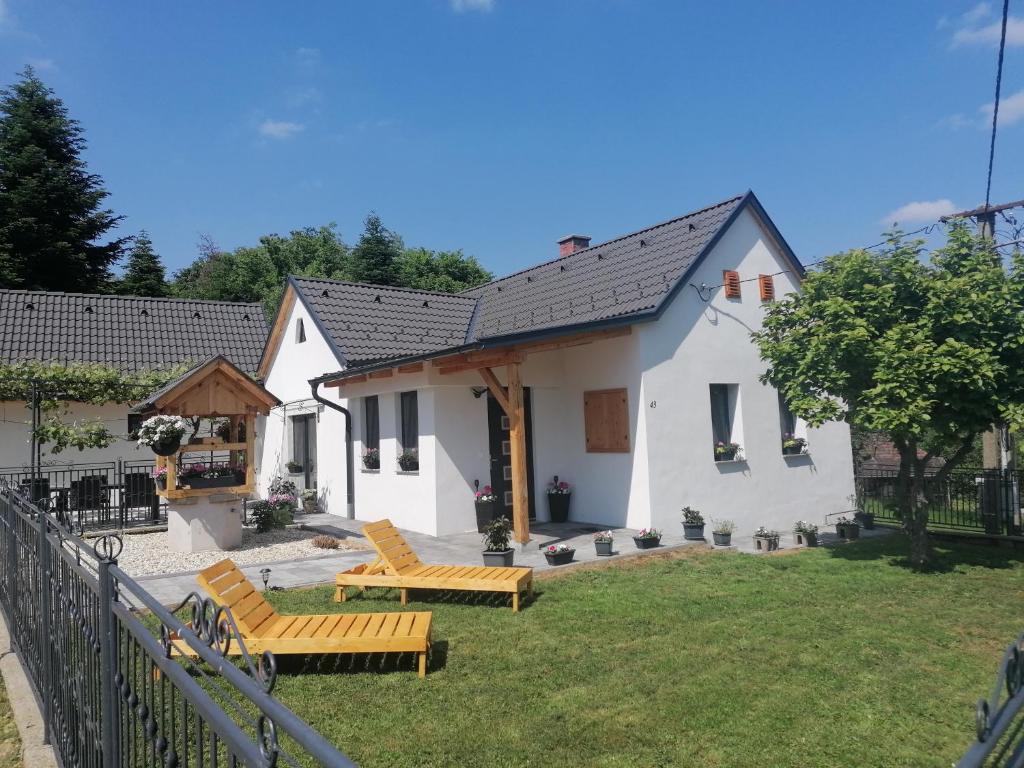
(977, 13)
(307, 55)
(990, 33)
(1011, 110)
(4, 17)
(279, 129)
(919, 212)
(463, 6)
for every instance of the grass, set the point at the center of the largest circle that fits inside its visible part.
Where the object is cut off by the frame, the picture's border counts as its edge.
(821, 658)
(10, 744)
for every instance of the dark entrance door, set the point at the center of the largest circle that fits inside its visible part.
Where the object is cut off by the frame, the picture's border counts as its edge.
(501, 453)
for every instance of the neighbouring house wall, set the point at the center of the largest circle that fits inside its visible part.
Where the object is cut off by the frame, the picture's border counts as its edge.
(15, 433)
(288, 379)
(695, 344)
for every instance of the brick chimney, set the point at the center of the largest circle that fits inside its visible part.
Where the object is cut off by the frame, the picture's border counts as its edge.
(572, 243)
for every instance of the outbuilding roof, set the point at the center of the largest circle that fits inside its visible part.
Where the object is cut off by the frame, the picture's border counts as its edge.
(625, 280)
(129, 333)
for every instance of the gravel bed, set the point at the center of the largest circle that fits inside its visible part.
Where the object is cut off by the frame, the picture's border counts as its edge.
(147, 554)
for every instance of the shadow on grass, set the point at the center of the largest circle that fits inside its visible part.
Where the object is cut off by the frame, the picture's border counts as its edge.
(947, 553)
(299, 665)
(448, 597)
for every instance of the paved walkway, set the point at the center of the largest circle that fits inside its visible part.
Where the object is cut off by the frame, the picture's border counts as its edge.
(456, 549)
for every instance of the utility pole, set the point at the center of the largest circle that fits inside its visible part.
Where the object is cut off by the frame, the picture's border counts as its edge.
(996, 444)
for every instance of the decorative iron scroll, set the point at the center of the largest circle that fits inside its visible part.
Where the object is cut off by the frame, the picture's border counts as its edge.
(108, 548)
(1010, 679)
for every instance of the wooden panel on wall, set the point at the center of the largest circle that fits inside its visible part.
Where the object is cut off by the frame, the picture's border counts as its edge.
(606, 420)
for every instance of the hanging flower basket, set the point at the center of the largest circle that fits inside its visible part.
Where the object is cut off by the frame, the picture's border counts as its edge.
(167, 446)
(163, 433)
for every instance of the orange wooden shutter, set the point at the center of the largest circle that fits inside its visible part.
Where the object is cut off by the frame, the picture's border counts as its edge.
(767, 286)
(731, 281)
(606, 421)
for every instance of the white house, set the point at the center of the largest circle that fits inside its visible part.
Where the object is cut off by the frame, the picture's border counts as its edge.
(127, 333)
(634, 357)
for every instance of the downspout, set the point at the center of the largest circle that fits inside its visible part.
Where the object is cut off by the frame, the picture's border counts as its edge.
(350, 473)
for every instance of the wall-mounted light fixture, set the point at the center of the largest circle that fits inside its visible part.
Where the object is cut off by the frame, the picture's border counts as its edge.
(478, 392)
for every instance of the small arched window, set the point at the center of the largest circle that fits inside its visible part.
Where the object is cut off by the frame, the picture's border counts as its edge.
(300, 331)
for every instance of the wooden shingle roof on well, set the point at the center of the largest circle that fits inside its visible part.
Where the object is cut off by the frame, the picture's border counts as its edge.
(129, 333)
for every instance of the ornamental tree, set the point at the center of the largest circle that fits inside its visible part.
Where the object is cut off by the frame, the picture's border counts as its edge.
(928, 352)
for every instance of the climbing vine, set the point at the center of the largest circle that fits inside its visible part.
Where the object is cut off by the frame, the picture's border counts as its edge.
(58, 384)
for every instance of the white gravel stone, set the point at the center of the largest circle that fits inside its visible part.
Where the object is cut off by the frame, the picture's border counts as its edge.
(148, 554)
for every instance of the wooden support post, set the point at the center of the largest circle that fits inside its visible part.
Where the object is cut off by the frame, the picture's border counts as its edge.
(517, 436)
(250, 448)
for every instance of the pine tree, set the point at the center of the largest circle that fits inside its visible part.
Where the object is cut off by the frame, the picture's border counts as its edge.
(375, 257)
(51, 212)
(144, 275)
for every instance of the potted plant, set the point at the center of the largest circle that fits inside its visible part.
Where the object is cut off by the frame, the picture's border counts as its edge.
(200, 475)
(603, 541)
(309, 499)
(223, 430)
(793, 445)
(294, 467)
(283, 505)
(160, 477)
(766, 540)
(726, 451)
(693, 524)
(806, 534)
(559, 496)
(484, 501)
(866, 520)
(647, 538)
(409, 460)
(371, 458)
(497, 550)
(163, 433)
(559, 554)
(722, 532)
(847, 528)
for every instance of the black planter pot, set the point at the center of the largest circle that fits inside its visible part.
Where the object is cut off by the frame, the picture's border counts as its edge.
(499, 559)
(866, 519)
(693, 532)
(560, 558)
(725, 455)
(167, 447)
(484, 514)
(558, 506)
(604, 548)
(722, 539)
(848, 531)
(794, 450)
(805, 539)
(646, 543)
(161, 483)
(211, 482)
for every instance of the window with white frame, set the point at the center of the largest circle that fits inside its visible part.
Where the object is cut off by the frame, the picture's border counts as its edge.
(726, 427)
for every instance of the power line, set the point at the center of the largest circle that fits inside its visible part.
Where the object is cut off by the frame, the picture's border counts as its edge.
(995, 105)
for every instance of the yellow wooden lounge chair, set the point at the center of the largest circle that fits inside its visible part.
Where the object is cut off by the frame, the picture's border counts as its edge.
(262, 628)
(398, 566)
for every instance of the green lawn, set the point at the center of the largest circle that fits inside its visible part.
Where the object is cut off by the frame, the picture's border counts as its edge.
(821, 658)
(10, 744)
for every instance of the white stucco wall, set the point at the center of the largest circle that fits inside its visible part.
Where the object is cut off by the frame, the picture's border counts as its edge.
(695, 344)
(288, 379)
(15, 422)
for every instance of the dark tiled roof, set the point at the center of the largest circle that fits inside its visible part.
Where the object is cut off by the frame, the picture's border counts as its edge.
(621, 277)
(127, 332)
(631, 276)
(368, 323)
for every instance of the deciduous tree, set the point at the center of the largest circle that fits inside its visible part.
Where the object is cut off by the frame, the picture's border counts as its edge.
(929, 352)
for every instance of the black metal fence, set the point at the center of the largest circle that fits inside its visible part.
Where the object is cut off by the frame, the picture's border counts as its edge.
(999, 719)
(121, 680)
(100, 495)
(980, 500)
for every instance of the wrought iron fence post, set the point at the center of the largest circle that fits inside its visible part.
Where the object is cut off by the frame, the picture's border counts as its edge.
(45, 648)
(106, 552)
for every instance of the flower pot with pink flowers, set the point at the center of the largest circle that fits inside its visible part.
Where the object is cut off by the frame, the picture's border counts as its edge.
(647, 538)
(559, 496)
(485, 500)
(559, 554)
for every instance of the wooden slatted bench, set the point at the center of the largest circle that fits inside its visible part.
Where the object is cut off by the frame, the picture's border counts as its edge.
(397, 566)
(262, 628)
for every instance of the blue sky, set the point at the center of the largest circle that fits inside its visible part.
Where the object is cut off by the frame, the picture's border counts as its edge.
(497, 126)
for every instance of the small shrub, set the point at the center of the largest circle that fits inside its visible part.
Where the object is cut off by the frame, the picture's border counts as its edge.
(723, 526)
(262, 514)
(409, 460)
(323, 541)
(294, 467)
(371, 459)
(497, 535)
(692, 516)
